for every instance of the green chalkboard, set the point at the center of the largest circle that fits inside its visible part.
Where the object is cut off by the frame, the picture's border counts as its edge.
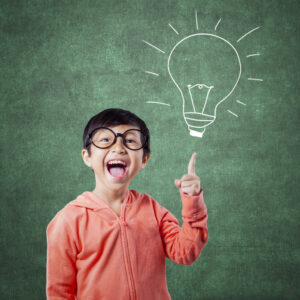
(238, 67)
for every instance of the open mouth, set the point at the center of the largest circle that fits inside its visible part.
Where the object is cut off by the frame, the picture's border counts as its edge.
(117, 168)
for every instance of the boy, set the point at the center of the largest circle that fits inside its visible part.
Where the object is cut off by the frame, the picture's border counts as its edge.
(111, 243)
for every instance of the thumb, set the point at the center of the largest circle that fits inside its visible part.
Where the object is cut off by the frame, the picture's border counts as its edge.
(177, 182)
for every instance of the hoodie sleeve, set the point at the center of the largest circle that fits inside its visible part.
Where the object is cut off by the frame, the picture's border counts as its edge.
(183, 245)
(61, 255)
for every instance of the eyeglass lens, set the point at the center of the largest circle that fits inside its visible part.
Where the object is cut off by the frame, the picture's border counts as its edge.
(104, 138)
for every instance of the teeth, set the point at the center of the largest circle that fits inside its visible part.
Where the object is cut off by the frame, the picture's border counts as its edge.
(114, 162)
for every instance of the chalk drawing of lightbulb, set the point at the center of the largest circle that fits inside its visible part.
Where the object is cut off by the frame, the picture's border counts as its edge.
(205, 68)
(204, 79)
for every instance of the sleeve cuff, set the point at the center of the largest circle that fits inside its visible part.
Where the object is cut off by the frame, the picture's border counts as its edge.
(193, 207)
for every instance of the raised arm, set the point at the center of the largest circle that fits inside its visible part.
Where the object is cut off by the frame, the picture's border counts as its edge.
(184, 244)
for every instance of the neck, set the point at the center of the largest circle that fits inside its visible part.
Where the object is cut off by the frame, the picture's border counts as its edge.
(109, 195)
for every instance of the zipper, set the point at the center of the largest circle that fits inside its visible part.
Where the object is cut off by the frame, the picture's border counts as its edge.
(127, 259)
(124, 239)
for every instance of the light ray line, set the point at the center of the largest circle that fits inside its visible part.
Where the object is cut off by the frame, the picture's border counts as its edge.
(152, 73)
(232, 113)
(247, 34)
(154, 47)
(196, 17)
(154, 102)
(255, 79)
(238, 101)
(173, 29)
(250, 55)
(217, 24)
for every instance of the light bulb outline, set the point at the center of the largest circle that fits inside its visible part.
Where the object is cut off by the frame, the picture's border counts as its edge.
(182, 96)
(194, 117)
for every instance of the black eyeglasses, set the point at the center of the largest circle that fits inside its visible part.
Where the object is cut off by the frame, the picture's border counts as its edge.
(103, 137)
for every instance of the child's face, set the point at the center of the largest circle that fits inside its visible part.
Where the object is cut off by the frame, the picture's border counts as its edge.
(108, 175)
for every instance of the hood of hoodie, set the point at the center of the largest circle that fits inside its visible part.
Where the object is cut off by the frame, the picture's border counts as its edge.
(91, 201)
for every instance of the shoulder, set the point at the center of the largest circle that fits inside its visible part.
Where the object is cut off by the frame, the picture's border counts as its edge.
(68, 215)
(141, 197)
(146, 199)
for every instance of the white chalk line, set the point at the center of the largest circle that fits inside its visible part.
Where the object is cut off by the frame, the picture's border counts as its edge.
(191, 96)
(196, 17)
(217, 24)
(152, 73)
(198, 127)
(254, 54)
(154, 47)
(155, 102)
(232, 113)
(198, 120)
(247, 33)
(173, 29)
(256, 79)
(238, 101)
(200, 114)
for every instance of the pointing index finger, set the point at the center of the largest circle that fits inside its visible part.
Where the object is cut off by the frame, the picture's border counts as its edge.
(191, 167)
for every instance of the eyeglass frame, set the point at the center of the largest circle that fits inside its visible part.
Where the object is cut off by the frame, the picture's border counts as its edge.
(115, 138)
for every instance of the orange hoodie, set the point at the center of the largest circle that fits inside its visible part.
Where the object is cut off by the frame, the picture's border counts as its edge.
(93, 254)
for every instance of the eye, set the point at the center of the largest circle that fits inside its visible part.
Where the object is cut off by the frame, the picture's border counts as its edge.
(130, 141)
(105, 140)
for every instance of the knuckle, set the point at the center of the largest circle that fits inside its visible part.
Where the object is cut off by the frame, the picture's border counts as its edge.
(184, 184)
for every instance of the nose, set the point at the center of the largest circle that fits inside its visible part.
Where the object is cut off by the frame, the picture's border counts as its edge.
(118, 145)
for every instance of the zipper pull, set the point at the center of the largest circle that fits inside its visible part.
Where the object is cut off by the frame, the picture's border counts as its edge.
(123, 222)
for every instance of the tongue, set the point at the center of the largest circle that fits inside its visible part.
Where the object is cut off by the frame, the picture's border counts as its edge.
(116, 171)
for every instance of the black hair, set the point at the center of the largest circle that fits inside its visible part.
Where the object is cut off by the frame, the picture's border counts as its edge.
(115, 117)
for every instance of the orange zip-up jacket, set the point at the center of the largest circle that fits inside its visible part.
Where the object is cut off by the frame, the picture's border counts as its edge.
(93, 254)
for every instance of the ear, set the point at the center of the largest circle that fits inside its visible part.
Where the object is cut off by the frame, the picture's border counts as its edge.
(86, 158)
(145, 160)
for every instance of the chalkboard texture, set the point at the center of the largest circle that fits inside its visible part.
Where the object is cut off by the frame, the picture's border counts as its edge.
(64, 61)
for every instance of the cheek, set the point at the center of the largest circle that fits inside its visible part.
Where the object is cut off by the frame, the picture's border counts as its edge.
(137, 163)
(98, 161)
(140, 160)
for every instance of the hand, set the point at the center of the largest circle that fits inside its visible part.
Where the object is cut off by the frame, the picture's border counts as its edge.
(190, 182)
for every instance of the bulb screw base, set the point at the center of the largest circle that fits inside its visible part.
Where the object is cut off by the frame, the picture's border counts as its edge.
(198, 133)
